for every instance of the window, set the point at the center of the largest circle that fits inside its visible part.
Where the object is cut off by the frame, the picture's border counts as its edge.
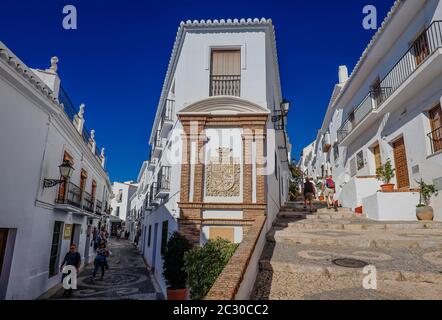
(62, 188)
(435, 136)
(164, 234)
(94, 189)
(149, 236)
(55, 248)
(360, 160)
(421, 48)
(353, 167)
(117, 212)
(225, 73)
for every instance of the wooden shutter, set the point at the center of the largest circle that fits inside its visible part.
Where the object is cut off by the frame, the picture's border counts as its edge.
(226, 62)
(421, 48)
(94, 189)
(400, 159)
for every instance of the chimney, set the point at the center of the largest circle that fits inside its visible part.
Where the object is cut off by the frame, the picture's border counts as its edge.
(50, 76)
(343, 74)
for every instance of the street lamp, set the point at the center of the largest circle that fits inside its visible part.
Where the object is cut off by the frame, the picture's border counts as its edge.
(65, 173)
(285, 106)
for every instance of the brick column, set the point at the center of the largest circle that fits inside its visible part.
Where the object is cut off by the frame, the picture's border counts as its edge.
(260, 140)
(247, 138)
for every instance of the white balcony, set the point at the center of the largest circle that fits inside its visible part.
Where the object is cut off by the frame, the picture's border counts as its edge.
(417, 68)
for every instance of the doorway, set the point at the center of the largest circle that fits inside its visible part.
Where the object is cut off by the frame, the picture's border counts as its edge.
(400, 160)
(154, 249)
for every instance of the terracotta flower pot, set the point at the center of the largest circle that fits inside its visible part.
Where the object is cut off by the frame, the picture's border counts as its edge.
(388, 187)
(176, 294)
(321, 198)
(425, 213)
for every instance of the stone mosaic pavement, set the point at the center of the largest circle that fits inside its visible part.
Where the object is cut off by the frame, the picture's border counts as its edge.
(127, 278)
(297, 262)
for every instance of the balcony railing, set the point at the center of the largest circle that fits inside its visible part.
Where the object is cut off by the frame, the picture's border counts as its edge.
(167, 114)
(88, 202)
(436, 140)
(427, 43)
(225, 85)
(372, 101)
(70, 194)
(163, 182)
(152, 193)
(98, 207)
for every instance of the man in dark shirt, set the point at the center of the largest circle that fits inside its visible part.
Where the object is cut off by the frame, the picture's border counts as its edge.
(309, 193)
(72, 258)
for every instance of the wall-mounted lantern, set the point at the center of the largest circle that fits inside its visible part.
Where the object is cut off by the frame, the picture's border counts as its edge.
(66, 170)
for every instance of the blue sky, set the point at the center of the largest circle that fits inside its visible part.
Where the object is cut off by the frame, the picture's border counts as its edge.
(115, 62)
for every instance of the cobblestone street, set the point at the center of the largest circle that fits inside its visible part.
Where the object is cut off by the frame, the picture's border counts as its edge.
(127, 278)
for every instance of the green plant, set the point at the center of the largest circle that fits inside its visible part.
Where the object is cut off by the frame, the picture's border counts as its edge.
(173, 266)
(385, 172)
(426, 191)
(204, 264)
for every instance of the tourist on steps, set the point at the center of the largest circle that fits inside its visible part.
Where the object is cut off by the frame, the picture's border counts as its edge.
(329, 192)
(309, 192)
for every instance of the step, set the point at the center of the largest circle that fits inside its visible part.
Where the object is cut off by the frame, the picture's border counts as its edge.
(335, 272)
(331, 216)
(356, 224)
(419, 238)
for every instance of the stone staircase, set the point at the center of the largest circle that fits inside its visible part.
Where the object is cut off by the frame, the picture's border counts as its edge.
(298, 261)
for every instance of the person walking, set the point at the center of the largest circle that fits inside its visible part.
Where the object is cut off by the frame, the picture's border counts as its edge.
(329, 192)
(118, 234)
(100, 260)
(72, 258)
(309, 192)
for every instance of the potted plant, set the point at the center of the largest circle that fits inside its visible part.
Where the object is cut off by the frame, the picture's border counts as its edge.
(385, 173)
(423, 210)
(173, 266)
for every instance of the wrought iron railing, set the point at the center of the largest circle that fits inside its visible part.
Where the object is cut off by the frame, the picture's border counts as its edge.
(69, 193)
(427, 43)
(225, 85)
(435, 137)
(158, 143)
(167, 114)
(152, 192)
(88, 202)
(98, 207)
(163, 180)
(372, 101)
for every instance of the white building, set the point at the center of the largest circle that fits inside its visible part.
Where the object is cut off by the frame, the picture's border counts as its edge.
(40, 217)
(390, 109)
(120, 204)
(219, 127)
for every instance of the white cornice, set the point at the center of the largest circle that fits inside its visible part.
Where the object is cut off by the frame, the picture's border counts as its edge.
(43, 96)
(211, 25)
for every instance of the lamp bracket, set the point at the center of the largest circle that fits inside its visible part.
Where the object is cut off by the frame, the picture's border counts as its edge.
(49, 183)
